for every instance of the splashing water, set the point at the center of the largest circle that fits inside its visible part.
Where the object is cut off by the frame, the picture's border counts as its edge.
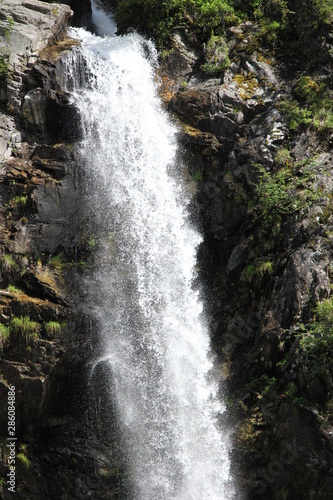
(152, 325)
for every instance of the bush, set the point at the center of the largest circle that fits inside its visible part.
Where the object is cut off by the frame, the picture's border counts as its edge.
(282, 193)
(216, 57)
(157, 19)
(316, 343)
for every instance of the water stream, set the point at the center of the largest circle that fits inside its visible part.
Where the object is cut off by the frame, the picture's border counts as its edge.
(152, 325)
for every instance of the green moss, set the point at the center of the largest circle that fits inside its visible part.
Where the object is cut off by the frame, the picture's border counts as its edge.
(306, 88)
(248, 85)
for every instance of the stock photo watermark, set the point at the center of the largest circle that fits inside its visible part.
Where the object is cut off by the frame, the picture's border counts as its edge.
(11, 440)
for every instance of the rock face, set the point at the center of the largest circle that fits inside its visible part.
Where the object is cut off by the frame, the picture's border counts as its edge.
(266, 259)
(44, 340)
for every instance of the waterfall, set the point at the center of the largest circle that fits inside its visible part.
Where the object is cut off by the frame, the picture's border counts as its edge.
(153, 330)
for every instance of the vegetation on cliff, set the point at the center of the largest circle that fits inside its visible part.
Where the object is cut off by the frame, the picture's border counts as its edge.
(276, 18)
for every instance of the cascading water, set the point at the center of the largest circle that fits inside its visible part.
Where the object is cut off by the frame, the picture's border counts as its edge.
(152, 326)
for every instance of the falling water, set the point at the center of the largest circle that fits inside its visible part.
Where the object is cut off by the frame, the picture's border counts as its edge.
(153, 329)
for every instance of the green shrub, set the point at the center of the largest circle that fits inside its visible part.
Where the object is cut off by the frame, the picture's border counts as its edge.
(282, 193)
(216, 56)
(306, 88)
(324, 10)
(315, 108)
(157, 19)
(197, 177)
(4, 66)
(316, 342)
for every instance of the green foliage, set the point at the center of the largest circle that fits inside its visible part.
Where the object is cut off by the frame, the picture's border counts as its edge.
(57, 261)
(293, 394)
(260, 268)
(324, 10)
(19, 201)
(197, 177)
(296, 116)
(4, 65)
(158, 18)
(24, 460)
(4, 335)
(14, 289)
(4, 55)
(315, 107)
(28, 329)
(91, 242)
(282, 193)
(216, 56)
(283, 158)
(7, 262)
(52, 328)
(306, 88)
(316, 343)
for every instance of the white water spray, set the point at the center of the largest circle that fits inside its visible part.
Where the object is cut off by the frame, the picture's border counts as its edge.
(153, 330)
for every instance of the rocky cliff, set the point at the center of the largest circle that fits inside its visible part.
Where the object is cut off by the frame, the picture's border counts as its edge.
(44, 337)
(261, 159)
(255, 128)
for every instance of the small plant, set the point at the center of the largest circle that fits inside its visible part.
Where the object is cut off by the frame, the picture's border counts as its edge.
(197, 177)
(91, 242)
(260, 269)
(316, 342)
(7, 262)
(14, 289)
(4, 51)
(216, 57)
(24, 460)
(283, 158)
(57, 261)
(281, 194)
(19, 201)
(4, 336)
(249, 272)
(306, 88)
(52, 328)
(28, 329)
